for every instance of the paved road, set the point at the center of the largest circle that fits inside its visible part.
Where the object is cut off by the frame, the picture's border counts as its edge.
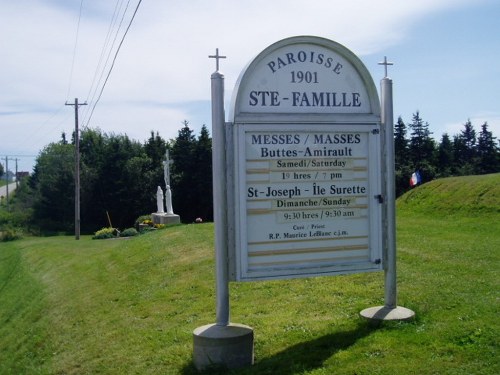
(3, 189)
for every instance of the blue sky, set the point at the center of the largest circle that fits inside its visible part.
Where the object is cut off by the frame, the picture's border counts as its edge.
(446, 55)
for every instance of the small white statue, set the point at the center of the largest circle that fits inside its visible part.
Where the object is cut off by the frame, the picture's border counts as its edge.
(168, 201)
(159, 200)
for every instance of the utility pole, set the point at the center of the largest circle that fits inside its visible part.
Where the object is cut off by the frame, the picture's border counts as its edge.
(17, 180)
(77, 170)
(7, 180)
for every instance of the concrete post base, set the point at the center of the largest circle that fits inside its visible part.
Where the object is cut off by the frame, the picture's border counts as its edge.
(228, 346)
(167, 219)
(383, 313)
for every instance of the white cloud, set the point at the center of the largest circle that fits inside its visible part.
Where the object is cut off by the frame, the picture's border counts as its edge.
(477, 120)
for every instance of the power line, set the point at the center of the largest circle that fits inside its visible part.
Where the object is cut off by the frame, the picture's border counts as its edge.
(95, 82)
(22, 156)
(114, 60)
(28, 139)
(74, 50)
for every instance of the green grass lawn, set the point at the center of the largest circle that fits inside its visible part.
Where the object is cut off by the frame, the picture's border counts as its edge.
(129, 306)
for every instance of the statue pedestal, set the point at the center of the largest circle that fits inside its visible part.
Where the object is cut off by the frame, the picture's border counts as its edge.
(166, 219)
(228, 346)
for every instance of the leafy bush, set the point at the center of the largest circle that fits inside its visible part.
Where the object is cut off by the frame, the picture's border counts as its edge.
(10, 234)
(129, 232)
(146, 229)
(104, 233)
(144, 219)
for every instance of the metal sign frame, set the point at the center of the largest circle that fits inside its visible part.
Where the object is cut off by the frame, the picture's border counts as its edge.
(335, 102)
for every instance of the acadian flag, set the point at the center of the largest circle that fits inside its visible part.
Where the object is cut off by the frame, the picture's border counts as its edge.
(415, 179)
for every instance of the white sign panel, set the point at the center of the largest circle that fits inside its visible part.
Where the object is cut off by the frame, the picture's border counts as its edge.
(304, 78)
(307, 188)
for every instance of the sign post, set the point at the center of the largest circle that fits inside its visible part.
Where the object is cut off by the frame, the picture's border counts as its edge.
(223, 343)
(390, 311)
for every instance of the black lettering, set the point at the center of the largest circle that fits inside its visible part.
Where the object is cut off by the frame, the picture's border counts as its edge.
(319, 59)
(281, 63)
(271, 66)
(274, 99)
(256, 139)
(252, 192)
(317, 99)
(345, 101)
(328, 63)
(337, 68)
(305, 101)
(253, 99)
(290, 58)
(355, 99)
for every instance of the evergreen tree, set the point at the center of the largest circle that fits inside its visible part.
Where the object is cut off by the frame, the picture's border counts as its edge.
(203, 177)
(458, 152)
(155, 149)
(464, 151)
(53, 185)
(63, 138)
(112, 182)
(400, 144)
(487, 151)
(422, 148)
(401, 160)
(192, 175)
(183, 174)
(468, 141)
(445, 156)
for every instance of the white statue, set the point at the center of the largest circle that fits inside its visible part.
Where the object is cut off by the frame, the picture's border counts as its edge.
(159, 200)
(168, 193)
(168, 201)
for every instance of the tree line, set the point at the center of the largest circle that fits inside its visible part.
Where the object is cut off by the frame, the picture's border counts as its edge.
(119, 176)
(118, 180)
(466, 153)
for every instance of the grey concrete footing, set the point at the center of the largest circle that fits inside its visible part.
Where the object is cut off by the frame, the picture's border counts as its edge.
(228, 346)
(383, 313)
(167, 219)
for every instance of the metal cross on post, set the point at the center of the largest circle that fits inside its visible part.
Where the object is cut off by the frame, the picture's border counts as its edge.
(166, 168)
(385, 63)
(216, 57)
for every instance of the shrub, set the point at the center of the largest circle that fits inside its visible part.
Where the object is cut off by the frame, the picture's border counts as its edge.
(146, 229)
(144, 219)
(104, 233)
(10, 234)
(129, 232)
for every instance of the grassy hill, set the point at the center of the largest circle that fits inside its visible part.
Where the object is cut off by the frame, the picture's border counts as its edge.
(130, 306)
(469, 195)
